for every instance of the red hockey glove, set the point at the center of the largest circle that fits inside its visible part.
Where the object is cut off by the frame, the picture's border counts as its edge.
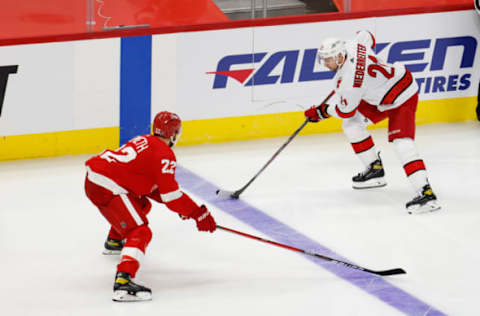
(204, 219)
(317, 113)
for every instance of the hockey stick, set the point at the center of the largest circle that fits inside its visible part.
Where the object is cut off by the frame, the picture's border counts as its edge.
(236, 194)
(343, 263)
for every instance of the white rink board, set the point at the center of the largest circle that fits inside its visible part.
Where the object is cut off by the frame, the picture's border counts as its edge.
(61, 86)
(75, 85)
(200, 52)
(196, 54)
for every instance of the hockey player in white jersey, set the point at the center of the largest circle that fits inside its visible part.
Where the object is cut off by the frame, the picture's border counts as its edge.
(368, 91)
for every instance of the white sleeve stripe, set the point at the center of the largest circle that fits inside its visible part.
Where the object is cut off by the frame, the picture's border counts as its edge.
(170, 196)
(105, 182)
(133, 252)
(131, 209)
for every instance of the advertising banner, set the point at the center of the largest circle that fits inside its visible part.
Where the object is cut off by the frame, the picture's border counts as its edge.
(273, 69)
(59, 86)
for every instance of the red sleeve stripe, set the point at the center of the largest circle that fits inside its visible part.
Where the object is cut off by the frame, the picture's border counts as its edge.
(363, 145)
(345, 115)
(373, 40)
(414, 166)
(398, 88)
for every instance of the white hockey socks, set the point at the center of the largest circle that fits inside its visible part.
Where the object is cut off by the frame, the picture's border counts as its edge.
(355, 129)
(412, 163)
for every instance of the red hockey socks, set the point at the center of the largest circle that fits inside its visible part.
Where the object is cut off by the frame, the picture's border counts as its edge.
(133, 251)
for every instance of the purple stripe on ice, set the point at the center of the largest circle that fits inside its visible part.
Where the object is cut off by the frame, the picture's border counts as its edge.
(375, 285)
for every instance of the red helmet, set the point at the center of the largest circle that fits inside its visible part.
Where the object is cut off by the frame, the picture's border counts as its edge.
(167, 125)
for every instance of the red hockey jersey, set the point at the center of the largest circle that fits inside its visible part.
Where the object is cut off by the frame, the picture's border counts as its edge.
(145, 166)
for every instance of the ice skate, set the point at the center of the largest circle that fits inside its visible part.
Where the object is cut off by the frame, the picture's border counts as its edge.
(112, 247)
(423, 203)
(125, 290)
(372, 177)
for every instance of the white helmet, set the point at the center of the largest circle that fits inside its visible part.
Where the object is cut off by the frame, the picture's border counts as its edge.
(331, 47)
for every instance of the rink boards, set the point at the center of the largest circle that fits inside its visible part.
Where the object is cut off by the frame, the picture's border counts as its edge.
(226, 83)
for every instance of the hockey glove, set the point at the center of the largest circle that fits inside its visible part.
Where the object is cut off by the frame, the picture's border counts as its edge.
(204, 219)
(317, 113)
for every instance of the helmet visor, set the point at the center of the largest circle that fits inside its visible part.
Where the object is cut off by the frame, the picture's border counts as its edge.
(323, 59)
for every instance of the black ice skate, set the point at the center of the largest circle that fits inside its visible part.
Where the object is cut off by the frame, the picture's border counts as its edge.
(372, 177)
(125, 290)
(423, 203)
(112, 246)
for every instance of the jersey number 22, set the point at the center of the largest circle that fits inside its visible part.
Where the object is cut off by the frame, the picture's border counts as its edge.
(124, 155)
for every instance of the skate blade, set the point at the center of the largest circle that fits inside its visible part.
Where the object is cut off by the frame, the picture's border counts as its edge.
(429, 207)
(124, 296)
(108, 252)
(373, 183)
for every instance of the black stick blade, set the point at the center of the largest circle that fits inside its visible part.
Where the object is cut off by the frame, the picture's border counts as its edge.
(235, 195)
(390, 272)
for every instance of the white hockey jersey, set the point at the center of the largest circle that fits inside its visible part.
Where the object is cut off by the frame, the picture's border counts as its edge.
(364, 76)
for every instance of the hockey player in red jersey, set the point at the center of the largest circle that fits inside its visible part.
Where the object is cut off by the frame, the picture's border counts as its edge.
(121, 182)
(368, 91)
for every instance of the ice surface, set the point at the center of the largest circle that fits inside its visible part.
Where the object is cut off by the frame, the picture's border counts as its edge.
(51, 237)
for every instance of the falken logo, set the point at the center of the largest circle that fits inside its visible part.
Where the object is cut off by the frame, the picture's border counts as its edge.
(4, 72)
(410, 53)
(263, 75)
